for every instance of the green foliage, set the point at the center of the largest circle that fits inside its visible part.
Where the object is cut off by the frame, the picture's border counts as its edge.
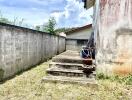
(15, 21)
(121, 79)
(124, 79)
(50, 26)
(4, 20)
(37, 28)
(59, 30)
(102, 76)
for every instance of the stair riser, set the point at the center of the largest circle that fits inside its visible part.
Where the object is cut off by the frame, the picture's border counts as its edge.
(81, 81)
(89, 70)
(78, 61)
(89, 75)
(71, 54)
(75, 67)
(65, 74)
(68, 61)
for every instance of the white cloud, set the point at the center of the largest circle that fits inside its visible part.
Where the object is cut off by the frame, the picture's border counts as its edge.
(56, 15)
(68, 13)
(74, 14)
(44, 2)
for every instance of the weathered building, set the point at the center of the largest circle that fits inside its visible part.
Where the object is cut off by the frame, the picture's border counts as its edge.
(113, 34)
(78, 37)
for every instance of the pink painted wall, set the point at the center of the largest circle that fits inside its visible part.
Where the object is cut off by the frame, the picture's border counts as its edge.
(115, 12)
(114, 49)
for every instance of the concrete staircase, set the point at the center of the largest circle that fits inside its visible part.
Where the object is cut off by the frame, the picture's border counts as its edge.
(69, 67)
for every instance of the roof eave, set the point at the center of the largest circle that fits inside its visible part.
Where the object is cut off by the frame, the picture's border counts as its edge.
(88, 3)
(79, 29)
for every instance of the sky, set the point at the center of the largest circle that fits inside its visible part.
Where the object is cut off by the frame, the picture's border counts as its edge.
(67, 13)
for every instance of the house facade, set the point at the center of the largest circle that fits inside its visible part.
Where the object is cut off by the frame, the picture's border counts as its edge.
(113, 35)
(78, 37)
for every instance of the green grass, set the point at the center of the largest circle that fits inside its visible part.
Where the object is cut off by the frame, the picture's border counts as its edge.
(115, 78)
(28, 86)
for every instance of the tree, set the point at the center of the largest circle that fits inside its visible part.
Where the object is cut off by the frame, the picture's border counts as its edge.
(50, 26)
(15, 21)
(4, 20)
(59, 30)
(37, 28)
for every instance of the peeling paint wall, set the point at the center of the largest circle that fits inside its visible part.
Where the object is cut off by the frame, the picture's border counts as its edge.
(113, 28)
(22, 48)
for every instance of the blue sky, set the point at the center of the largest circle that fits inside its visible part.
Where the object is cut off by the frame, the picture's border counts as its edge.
(68, 13)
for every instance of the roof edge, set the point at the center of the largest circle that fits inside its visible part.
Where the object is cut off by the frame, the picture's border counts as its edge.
(88, 3)
(79, 29)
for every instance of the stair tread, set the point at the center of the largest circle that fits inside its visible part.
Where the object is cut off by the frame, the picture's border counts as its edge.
(70, 52)
(64, 70)
(88, 66)
(72, 64)
(94, 72)
(70, 57)
(80, 80)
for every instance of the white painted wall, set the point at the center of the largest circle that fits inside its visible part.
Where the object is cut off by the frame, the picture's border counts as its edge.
(82, 34)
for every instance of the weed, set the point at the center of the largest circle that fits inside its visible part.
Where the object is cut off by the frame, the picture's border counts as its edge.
(120, 79)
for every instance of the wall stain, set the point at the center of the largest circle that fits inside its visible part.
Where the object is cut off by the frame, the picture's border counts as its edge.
(1, 74)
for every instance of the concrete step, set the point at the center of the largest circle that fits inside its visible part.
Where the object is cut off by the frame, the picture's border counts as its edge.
(88, 69)
(73, 80)
(71, 66)
(64, 72)
(94, 73)
(71, 59)
(71, 53)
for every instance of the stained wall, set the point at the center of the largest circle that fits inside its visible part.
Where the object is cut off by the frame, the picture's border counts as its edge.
(113, 33)
(22, 48)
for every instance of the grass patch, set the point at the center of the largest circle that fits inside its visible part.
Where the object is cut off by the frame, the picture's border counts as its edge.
(28, 86)
(120, 79)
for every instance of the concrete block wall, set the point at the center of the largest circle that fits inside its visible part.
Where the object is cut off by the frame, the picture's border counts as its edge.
(22, 48)
(71, 44)
(75, 44)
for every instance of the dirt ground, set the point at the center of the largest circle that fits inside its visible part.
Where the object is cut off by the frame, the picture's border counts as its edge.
(28, 86)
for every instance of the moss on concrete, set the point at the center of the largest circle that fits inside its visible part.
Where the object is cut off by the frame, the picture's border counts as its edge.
(1, 74)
